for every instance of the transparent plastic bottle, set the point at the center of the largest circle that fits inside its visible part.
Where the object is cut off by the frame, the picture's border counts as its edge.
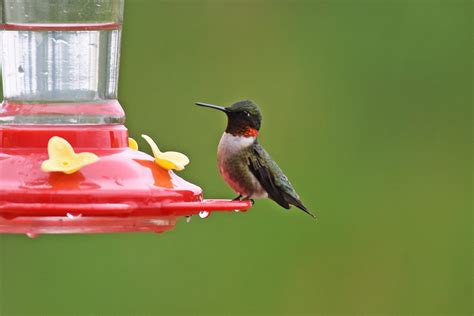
(60, 61)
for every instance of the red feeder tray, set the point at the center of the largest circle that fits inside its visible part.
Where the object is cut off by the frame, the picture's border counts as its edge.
(124, 191)
(60, 78)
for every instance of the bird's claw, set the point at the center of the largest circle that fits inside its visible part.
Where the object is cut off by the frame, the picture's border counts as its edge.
(238, 198)
(246, 198)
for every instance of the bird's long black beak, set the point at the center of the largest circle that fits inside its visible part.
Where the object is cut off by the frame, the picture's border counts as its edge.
(217, 107)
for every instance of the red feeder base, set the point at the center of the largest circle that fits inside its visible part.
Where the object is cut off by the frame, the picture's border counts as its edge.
(125, 191)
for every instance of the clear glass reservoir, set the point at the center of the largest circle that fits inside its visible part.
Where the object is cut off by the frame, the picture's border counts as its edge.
(60, 61)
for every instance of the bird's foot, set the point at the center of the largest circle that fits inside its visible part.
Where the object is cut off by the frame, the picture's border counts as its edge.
(249, 199)
(238, 198)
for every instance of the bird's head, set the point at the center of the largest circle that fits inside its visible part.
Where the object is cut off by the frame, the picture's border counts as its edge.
(244, 117)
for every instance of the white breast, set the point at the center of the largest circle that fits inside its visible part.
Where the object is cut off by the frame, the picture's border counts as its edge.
(230, 144)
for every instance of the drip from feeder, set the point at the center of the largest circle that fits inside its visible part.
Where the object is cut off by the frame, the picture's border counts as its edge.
(60, 62)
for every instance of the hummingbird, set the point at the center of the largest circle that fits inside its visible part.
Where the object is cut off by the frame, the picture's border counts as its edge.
(245, 165)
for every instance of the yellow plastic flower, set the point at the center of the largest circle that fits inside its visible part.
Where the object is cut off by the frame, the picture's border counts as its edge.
(132, 143)
(62, 157)
(167, 160)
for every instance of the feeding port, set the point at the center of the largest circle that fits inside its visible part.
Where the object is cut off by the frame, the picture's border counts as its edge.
(66, 165)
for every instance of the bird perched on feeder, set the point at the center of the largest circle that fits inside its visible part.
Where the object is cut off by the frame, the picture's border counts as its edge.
(245, 164)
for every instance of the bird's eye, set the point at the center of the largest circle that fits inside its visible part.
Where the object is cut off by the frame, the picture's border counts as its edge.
(246, 113)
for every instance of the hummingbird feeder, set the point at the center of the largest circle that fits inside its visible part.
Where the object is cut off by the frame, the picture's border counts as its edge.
(67, 164)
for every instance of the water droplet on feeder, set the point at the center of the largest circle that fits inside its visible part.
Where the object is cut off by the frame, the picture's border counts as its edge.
(236, 211)
(32, 235)
(73, 216)
(203, 214)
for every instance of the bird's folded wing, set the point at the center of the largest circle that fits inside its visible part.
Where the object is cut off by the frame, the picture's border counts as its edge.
(258, 165)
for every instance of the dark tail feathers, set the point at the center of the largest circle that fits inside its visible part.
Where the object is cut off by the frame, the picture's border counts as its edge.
(296, 202)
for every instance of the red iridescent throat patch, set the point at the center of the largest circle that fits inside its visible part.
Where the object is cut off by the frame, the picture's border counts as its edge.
(245, 131)
(250, 132)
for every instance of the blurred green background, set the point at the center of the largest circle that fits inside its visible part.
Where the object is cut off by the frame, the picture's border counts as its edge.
(367, 107)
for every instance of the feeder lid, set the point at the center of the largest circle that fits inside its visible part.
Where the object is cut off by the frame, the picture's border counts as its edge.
(124, 190)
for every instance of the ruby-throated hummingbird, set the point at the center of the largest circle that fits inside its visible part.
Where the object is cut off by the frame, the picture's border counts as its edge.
(244, 164)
